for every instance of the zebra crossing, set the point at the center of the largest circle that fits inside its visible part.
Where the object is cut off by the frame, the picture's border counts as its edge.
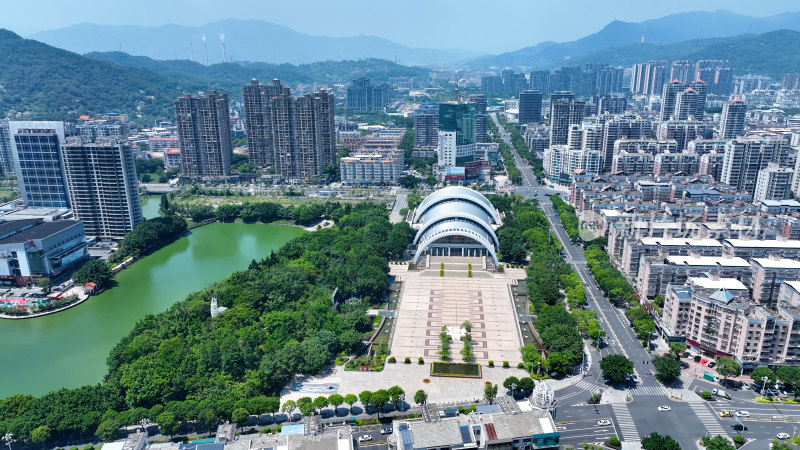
(626, 424)
(649, 390)
(586, 385)
(687, 380)
(707, 417)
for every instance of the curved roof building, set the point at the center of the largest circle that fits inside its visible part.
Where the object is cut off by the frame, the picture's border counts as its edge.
(456, 221)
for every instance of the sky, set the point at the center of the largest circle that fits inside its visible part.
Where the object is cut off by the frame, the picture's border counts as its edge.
(483, 26)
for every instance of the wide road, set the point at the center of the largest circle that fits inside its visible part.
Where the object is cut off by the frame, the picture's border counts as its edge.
(648, 394)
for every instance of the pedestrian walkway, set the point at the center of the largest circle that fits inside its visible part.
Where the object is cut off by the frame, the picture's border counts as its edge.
(649, 390)
(627, 427)
(707, 417)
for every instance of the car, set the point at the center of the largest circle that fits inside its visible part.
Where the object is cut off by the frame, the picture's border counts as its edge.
(364, 438)
(697, 358)
(603, 423)
(711, 365)
(783, 435)
(742, 414)
(387, 430)
(739, 427)
(664, 408)
(724, 413)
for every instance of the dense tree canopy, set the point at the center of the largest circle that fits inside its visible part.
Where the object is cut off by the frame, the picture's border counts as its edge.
(615, 368)
(280, 322)
(95, 271)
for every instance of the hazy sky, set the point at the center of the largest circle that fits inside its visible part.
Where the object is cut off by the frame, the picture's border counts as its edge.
(480, 25)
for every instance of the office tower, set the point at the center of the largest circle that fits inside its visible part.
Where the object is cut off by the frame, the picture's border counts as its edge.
(256, 102)
(774, 183)
(514, 83)
(717, 73)
(6, 158)
(746, 156)
(685, 104)
(36, 149)
(623, 127)
(103, 186)
(538, 80)
(492, 84)
(648, 78)
(362, 95)
(204, 131)
(481, 117)
(732, 122)
(682, 71)
(669, 97)
(791, 81)
(426, 125)
(456, 144)
(530, 106)
(563, 113)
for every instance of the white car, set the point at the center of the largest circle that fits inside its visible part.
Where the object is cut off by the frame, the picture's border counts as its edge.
(664, 408)
(742, 414)
(603, 423)
(364, 438)
(783, 435)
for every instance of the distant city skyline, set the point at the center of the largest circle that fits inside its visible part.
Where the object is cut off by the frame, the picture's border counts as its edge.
(403, 22)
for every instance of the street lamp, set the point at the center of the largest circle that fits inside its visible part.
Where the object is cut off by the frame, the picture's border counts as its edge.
(144, 422)
(763, 385)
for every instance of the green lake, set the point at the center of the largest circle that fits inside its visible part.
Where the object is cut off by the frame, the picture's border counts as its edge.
(69, 348)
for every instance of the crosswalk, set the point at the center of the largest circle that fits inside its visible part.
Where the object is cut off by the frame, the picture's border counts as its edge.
(707, 417)
(649, 390)
(687, 380)
(591, 387)
(626, 425)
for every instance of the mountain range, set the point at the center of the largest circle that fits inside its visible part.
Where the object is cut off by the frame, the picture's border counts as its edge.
(245, 40)
(261, 41)
(38, 81)
(674, 28)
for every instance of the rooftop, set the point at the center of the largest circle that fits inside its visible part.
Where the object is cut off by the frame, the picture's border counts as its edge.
(680, 242)
(760, 243)
(40, 231)
(782, 263)
(731, 284)
(706, 261)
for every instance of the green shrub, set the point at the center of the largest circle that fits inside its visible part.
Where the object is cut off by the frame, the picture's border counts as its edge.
(407, 360)
(707, 395)
(469, 274)
(506, 365)
(738, 439)
(441, 273)
(420, 360)
(491, 363)
(469, 267)
(278, 428)
(613, 441)
(461, 410)
(520, 366)
(441, 265)
(392, 360)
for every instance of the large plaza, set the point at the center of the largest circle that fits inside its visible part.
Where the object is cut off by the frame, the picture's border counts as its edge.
(429, 302)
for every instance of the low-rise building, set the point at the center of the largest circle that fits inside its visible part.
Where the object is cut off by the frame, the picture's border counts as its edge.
(172, 158)
(378, 167)
(32, 248)
(768, 274)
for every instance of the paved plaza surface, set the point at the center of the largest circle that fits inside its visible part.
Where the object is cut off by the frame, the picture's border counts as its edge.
(408, 376)
(429, 302)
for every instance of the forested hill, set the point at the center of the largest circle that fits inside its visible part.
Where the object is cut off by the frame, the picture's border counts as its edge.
(229, 77)
(42, 82)
(39, 82)
(774, 53)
